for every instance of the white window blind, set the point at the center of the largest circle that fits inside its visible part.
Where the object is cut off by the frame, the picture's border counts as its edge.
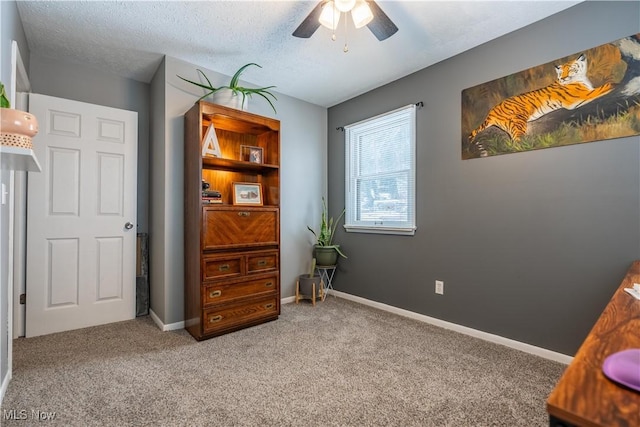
(380, 173)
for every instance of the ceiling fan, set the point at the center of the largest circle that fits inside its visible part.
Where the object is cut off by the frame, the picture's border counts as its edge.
(363, 12)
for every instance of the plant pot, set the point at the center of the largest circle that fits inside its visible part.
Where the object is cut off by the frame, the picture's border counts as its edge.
(17, 128)
(227, 98)
(326, 255)
(306, 285)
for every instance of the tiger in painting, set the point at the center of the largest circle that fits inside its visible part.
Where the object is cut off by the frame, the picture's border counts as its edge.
(571, 90)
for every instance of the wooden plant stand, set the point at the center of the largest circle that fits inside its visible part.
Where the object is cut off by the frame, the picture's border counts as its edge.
(319, 292)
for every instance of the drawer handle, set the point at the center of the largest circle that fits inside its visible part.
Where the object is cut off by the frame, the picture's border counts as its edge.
(244, 213)
(269, 306)
(215, 319)
(268, 284)
(262, 262)
(224, 267)
(215, 294)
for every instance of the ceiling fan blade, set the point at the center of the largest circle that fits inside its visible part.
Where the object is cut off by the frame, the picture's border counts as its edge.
(381, 26)
(310, 23)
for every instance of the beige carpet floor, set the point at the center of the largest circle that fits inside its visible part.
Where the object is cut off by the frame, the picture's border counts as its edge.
(337, 364)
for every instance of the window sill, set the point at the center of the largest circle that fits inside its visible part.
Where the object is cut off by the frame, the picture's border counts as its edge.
(380, 230)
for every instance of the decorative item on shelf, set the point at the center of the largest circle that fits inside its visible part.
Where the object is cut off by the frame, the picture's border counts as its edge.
(251, 154)
(16, 127)
(247, 194)
(210, 145)
(232, 92)
(211, 197)
(326, 253)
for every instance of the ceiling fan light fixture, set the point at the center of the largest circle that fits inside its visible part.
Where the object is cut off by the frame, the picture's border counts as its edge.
(344, 5)
(330, 16)
(361, 14)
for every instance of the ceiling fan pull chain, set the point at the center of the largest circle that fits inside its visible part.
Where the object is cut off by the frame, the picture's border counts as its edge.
(333, 31)
(345, 49)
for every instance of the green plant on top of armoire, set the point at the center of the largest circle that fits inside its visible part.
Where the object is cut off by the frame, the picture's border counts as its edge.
(234, 87)
(326, 252)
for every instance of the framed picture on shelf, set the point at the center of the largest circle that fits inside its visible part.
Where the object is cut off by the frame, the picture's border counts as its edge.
(251, 154)
(247, 194)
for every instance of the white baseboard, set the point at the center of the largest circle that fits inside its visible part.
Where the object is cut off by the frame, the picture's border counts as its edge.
(527, 348)
(162, 326)
(288, 300)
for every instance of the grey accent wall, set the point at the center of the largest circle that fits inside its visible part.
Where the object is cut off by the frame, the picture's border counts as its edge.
(530, 246)
(303, 182)
(82, 83)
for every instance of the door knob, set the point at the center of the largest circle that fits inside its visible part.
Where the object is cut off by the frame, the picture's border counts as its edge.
(128, 226)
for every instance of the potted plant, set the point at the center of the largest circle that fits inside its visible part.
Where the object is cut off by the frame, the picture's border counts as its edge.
(233, 89)
(16, 127)
(310, 285)
(326, 252)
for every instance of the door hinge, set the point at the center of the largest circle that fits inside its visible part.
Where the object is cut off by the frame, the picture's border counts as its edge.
(23, 299)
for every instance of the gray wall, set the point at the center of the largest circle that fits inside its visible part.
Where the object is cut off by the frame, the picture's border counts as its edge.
(303, 181)
(530, 246)
(82, 83)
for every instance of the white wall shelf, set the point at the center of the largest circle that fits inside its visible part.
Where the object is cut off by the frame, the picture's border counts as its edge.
(21, 159)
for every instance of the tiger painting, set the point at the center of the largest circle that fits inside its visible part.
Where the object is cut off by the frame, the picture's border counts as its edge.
(571, 90)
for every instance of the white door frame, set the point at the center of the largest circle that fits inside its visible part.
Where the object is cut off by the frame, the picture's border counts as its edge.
(19, 82)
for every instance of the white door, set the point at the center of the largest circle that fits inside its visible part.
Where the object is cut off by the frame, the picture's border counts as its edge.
(81, 212)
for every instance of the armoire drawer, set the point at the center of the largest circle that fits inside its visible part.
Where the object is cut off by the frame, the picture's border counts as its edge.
(262, 262)
(215, 293)
(228, 316)
(222, 267)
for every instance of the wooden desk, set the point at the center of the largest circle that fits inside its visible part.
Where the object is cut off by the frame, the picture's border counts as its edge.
(584, 396)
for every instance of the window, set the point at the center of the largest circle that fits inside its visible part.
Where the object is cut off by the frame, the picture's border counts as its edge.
(380, 173)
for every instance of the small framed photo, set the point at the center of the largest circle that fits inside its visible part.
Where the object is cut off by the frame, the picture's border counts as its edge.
(251, 154)
(247, 194)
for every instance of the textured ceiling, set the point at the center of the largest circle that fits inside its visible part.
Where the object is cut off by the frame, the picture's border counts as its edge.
(129, 38)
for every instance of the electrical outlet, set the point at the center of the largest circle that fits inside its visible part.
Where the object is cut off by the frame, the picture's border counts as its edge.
(439, 287)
